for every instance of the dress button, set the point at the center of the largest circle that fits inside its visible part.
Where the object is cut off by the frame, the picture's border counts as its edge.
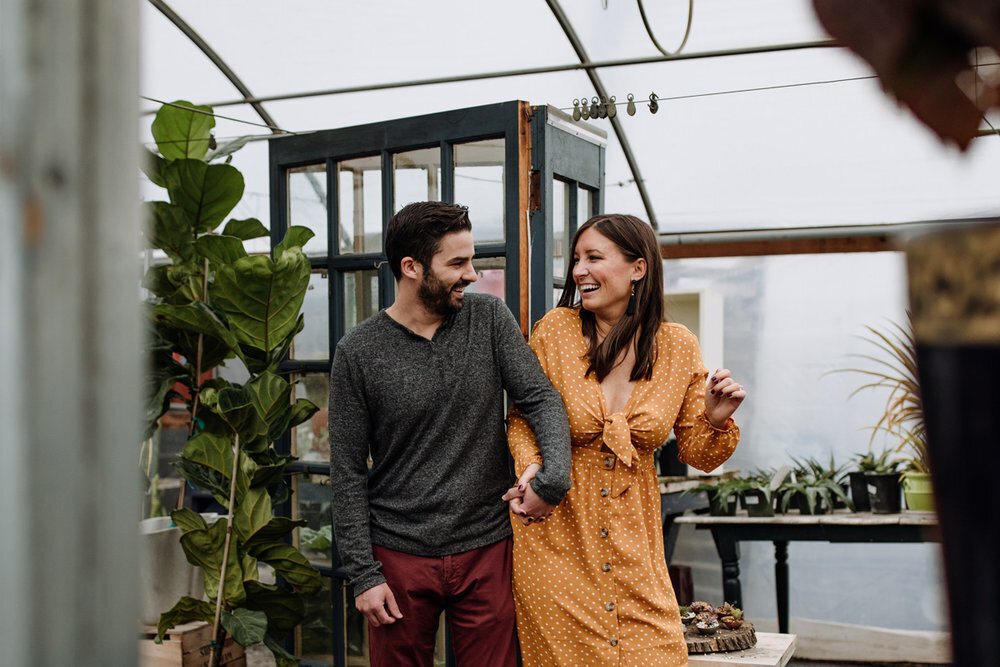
(613, 641)
(609, 461)
(606, 567)
(604, 493)
(604, 532)
(610, 606)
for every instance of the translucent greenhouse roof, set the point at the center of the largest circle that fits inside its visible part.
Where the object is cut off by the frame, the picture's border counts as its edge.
(768, 139)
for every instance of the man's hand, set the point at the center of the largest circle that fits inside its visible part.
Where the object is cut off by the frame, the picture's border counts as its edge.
(524, 502)
(378, 605)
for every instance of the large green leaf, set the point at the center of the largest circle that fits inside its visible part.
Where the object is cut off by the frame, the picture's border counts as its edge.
(291, 565)
(204, 478)
(245, 625)
(220, 249)
(284, 610)
(295, 237)
(227, 148)
(152, 165)
(282, 658)
(270, 394)
(252, 514)
(169, 231)
(181, 132)
(186, 610)
(301, 412)
(261, 299)
(275, 530)
(236, 407)
(218, 341)
(206, 192)
(212, 450)
(188, 520)
(249, 228)
(204, 548)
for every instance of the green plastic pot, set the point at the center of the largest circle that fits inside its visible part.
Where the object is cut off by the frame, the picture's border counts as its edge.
(918, 491)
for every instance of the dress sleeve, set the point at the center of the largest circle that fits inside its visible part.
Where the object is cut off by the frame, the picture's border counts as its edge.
(699, 443)
(349, 446)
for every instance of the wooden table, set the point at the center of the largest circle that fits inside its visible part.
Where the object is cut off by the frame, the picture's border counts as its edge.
(772, 650)
(841, 526)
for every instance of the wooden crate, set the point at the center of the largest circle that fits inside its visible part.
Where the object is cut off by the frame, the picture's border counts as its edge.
(187, 645)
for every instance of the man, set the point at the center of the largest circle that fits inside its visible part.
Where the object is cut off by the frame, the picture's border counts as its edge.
(419, 387)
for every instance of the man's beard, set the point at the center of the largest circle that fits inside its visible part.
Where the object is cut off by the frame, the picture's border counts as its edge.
(436, 295)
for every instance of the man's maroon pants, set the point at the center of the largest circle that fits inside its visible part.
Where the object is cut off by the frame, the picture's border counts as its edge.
(473, 588)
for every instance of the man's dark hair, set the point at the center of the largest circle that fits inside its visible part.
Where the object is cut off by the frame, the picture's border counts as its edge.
(416, 231)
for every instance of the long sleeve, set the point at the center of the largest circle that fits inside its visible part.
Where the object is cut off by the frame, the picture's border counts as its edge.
(540, 420)
(349, 445)
(699, 443)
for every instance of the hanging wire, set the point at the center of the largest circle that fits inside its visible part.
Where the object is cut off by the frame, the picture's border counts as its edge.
(273, 128)
(649, 30)
(749, 90)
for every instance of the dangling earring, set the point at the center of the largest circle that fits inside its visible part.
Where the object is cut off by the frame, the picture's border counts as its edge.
(630, 308)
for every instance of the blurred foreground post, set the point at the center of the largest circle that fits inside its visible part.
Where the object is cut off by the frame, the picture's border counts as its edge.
(70, 330)
(954, 281)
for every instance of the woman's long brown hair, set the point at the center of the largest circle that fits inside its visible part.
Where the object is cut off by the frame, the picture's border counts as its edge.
(635, 239)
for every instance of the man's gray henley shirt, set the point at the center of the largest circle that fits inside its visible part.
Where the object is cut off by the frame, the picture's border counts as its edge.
(430, 414)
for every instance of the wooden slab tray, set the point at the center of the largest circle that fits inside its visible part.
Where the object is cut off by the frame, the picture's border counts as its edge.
(724, 639)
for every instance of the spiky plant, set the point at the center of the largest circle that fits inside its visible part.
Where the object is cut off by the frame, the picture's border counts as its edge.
(896, 370)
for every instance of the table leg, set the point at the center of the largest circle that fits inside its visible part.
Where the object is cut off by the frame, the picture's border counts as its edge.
(781, 582)
(729, 554)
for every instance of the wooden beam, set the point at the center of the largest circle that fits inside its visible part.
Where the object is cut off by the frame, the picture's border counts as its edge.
(801, 246)
(524, 117)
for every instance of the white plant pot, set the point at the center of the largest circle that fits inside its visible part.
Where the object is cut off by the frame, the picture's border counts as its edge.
(165, 575)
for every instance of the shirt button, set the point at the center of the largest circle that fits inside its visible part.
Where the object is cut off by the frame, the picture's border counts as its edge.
(604, 493)
(610, 606)
(613, 641)
(604, 532)
(608, 461)
(606, 567)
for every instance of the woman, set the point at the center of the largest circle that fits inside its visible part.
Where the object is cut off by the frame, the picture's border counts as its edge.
(590, 578)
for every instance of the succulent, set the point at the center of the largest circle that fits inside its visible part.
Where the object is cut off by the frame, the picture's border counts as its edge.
(701, 607)
(706, 617)
(707, 627)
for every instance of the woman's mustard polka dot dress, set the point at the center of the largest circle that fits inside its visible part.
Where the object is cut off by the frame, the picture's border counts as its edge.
(590, 582)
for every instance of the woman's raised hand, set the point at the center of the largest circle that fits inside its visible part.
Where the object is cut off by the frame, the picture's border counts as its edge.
(722, 396)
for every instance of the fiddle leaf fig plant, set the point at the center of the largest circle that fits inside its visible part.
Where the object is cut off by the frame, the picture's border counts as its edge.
(211, 304)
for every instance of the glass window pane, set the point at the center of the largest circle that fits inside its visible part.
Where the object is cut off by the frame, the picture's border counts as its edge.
(307, 202)
(360, 296)
(491, 276)
(417, 176)
(584, 206)
(312, 439)
(317, 626)
(560, 227)
(360, 206)
(313, 342)
(479, 185)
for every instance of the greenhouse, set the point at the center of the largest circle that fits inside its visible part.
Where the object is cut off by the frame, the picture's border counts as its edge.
(196, 201)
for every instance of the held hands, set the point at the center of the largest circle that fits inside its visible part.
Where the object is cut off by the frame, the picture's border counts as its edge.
(722, 396)
(524, 502)
(378, 605)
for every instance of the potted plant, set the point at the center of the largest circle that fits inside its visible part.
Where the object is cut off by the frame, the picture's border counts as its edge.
(723, 495)
(756, 495)
(818, 470)
(209, 304)
(903, 416)
(812, 492)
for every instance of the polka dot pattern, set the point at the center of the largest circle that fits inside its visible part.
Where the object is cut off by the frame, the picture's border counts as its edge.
(590, 582)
